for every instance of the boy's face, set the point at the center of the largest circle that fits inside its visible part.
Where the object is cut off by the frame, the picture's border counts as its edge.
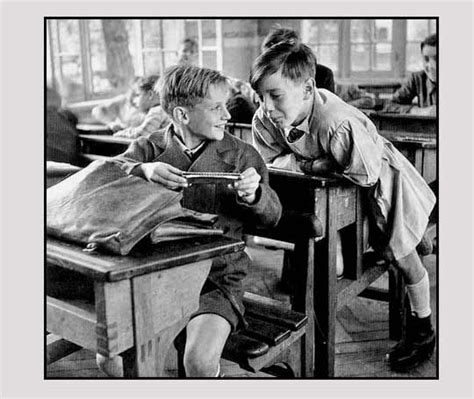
(286, 103)
(208, 118)
(429, 61)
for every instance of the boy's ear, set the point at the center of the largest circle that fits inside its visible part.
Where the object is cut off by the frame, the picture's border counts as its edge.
(180, 114)
(309, 87)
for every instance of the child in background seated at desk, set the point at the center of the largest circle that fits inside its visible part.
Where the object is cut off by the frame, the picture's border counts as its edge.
(420, 85)
(196, 141)
(147, 101)
(120, 112)
(313, 130)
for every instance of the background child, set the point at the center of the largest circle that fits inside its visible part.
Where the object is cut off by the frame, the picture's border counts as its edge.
(195, 99)
(303, 127)
(147, 101)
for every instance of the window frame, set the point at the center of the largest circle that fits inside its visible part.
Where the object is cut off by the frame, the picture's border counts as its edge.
(54, 59)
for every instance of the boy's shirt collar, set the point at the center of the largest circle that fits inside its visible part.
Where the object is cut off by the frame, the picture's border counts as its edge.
(303, 126)
(191, 153)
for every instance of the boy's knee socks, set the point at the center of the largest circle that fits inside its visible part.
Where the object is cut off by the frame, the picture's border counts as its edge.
(419, 295)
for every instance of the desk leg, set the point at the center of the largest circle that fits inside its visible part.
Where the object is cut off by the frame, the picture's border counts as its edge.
(325, 294)
(162, 304)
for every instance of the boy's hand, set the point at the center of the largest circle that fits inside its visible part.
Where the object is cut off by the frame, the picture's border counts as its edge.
(160, 172)
(319, 166)
(247, 185)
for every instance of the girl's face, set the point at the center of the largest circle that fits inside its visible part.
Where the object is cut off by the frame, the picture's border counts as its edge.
(285, 102)
(143, 100)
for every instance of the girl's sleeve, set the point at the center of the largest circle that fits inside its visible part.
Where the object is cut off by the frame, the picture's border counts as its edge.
(358, 151)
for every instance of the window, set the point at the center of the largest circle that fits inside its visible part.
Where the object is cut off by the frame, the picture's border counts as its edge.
(93, 59)
(371, 45)
(323, 37)
(417, 31)
(363, 50)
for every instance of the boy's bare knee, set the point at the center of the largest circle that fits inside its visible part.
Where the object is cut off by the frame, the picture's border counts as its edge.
(199, 363)
(111, 366)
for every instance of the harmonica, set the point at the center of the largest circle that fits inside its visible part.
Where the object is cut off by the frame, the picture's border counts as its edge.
(210, 177)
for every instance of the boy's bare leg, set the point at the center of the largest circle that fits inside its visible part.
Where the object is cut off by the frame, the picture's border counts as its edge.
(206, 335)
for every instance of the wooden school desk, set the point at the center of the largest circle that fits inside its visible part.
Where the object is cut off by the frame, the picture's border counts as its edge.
(141, 301)
(420, 149)
(405, 122)
(337, 203)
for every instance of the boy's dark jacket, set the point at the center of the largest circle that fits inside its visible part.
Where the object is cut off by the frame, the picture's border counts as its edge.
(227, 155)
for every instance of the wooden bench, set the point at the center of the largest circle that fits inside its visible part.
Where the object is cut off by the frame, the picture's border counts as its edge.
(279, 339)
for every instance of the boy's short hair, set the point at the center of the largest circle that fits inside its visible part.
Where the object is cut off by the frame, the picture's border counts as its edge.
(431, 40)
(186, 85)
(279, 34)
(296, 61)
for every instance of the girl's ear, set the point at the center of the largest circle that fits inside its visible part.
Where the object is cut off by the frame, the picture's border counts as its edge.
(180, 115)
(309, 87)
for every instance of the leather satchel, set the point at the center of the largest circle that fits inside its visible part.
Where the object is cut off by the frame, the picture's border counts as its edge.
(104, 207)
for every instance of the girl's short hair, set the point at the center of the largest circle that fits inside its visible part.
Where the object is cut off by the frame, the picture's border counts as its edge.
(431, 40)
(186, 85)
(295, 60)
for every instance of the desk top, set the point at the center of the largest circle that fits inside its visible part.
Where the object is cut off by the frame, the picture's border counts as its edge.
(149, 258)
(93, 128)
(412, 139)
(98, 138)
(333, 179)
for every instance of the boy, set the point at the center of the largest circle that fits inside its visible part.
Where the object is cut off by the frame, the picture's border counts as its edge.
(301, 127)
(421, 84)
(195, 98)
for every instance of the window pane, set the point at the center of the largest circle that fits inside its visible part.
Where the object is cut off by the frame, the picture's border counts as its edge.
(413, 57)
(360, 57)
(100, 82)
(69, 41)
(70, 60)
(209, 33)
(323, 31)
(360, 30)
(172, 32)
(383, 30)
(152, 63)
(383, 59)
(417, 29)
(170, 58)
(209, 59)
(432, 26)
(191, 28)
(151, 33)
(327, 55)
(132, 27)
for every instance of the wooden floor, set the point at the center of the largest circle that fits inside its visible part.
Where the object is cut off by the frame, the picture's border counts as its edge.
(361, 333)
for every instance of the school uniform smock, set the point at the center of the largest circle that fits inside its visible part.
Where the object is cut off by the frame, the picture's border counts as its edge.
(222, 293)
(398, 197)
